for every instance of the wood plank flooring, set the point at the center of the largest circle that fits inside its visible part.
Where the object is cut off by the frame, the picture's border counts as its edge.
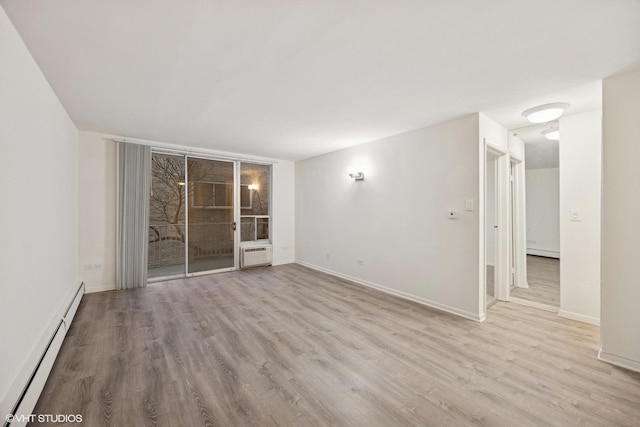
(288, 346)
(543, 276)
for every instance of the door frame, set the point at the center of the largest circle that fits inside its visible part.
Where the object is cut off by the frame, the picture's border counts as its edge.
(236, 215)
(519, 221)
(236, 212)
(502, 220)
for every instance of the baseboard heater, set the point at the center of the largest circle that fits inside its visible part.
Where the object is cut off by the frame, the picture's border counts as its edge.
(256, 255)
(31, 391)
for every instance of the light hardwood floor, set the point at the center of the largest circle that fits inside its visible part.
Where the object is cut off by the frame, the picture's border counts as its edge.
(543, 277)
(287, 346)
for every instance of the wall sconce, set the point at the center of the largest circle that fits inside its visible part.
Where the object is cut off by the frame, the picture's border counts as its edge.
(358, 176)
(253, 187)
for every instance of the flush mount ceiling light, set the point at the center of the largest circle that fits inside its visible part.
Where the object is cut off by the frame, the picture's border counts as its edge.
(545, 113)
(552, 134)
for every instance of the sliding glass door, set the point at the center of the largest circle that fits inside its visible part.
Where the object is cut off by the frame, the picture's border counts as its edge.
(167, 213)
(192, 216)
(211, 215)
(202, 210)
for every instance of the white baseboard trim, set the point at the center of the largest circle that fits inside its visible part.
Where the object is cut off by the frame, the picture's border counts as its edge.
(288, 261)
(579, 317)
(99, 288)
(394, 292)
(633, 365)
(543, 252)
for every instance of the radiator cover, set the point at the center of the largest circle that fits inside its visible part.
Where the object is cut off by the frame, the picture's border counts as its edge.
(256, 255)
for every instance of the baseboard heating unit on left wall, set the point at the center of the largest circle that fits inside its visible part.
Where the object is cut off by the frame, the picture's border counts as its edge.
(34, 385)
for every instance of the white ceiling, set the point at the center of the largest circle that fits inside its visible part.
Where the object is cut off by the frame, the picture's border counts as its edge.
(292, 79)
(540, 152)
(583, 98)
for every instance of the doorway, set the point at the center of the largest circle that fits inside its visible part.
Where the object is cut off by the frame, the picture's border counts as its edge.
(542, 288)
(490, 226)
(496, 224)
(192, 216)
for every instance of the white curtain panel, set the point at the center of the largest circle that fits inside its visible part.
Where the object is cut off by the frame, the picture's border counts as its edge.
(134, 186)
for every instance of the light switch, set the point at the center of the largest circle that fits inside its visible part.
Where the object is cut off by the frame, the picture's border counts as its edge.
(575, 215)
(468, 205)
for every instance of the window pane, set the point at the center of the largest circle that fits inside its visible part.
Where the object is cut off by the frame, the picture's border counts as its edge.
(203, 194)
(255, 197)
(221, 195)
(211, 235)
(263, 228)
(245, 197)
(257, 178)
(247, 229)
(166, 217)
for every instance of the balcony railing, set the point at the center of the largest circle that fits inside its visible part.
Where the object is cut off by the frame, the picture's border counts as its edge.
(167, 242)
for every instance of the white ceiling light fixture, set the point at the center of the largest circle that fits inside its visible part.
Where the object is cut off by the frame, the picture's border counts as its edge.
(552, 134)
(545, 113)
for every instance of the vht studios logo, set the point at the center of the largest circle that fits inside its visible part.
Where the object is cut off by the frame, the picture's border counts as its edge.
(44, 418)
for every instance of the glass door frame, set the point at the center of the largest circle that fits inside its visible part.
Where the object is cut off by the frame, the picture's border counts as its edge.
(236, 213)
(170, 153)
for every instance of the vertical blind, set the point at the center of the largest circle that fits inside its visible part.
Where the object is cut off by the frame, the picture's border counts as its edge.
(134, 186)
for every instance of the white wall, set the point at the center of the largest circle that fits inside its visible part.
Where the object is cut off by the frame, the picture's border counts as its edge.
(621, 229)
(543, 211)
(97, 218)
(490, 203)
(394, 220)
(97, 211)
(495, 133)
(283, 206)
(516, 147)
(580, 189)
(38, 183)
